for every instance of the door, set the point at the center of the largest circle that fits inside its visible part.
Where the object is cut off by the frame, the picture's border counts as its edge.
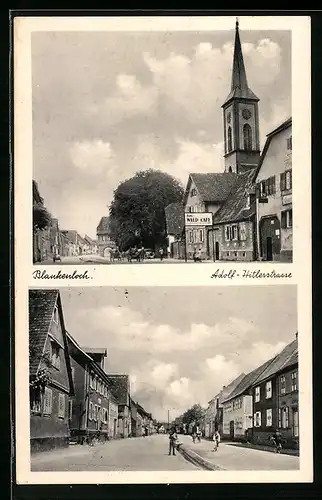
(269, 248)
(217, 250)
(231, 429)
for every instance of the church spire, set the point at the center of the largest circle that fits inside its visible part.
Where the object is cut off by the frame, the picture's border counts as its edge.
(238, 79)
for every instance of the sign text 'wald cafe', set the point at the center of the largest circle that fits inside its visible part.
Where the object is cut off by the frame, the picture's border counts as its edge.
(198, 219)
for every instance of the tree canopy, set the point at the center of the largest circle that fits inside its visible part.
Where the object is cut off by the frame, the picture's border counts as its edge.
(137, 211)
(41, 217)
(193, 414)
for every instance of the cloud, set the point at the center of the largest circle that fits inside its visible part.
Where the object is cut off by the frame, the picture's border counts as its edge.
(95, 157)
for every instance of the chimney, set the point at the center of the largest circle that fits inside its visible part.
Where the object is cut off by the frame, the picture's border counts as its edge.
(296, 335)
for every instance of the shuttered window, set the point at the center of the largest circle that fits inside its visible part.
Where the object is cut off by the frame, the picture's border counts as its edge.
(286, 180)
(287, 219)
(61, 405)
(285, 419)
(269, 417)
(48, 401)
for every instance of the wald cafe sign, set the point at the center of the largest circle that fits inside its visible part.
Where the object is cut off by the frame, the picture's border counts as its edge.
(198, 219)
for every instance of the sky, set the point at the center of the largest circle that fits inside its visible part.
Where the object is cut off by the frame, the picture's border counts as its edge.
(107, 104)
(180, 345)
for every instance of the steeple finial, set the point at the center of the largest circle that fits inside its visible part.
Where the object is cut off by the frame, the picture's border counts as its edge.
(237, 23)
(239, 79)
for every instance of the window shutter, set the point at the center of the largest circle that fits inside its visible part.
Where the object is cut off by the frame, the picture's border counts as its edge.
(286, 417)
(48, 401)
(283, 181)
(283, 220)
(61, 405)
(273, 185)
(290, 214)
(279, 418)
(259, 418)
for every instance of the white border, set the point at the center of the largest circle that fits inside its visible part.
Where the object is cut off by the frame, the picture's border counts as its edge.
(158, 275)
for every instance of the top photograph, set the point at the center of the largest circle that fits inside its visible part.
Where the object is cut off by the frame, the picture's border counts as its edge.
(162, 146)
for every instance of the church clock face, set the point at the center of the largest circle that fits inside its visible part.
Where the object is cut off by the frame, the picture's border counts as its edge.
(229, 117)
(246, 114)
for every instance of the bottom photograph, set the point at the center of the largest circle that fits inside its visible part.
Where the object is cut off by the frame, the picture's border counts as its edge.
(164, 378)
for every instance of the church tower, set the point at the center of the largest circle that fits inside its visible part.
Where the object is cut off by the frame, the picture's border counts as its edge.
(240, 113)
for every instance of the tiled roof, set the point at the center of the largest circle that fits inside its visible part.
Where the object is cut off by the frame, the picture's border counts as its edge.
(41, 306)
(234, 208)
(214, 186)
(224, 393)
(248, 381)
(104, 225)
(120, 387)
(281, 361)
(174, 214)
(72, 236)
(89, 240)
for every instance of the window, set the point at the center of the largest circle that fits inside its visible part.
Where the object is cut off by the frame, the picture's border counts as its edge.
(201, 235)
(91, 381)
(190, 237)
(230, 169)
(287, 219)
(284, 412)
(247, 132)
(227, 233)
(234, 230)
(294, 381)
(73, 373)
(91, 412)
(269, 418)
(55, 316)
(98, 413)
(48, 401)
(262, 187)
(55, 355)
(286, 180)
(193, 192)
(270, 184)
(282, 385)
(289, 144)
(61, 405)
(279, 418)
(35, 401)
(70, 409)
(242, 231)
(268, 389)
(230, 147)
(257, 394)
(295, 422)
(257, 419)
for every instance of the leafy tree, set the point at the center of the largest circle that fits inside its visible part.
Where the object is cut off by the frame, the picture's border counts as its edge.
(193, 414)
(137, 211)
(41, 217)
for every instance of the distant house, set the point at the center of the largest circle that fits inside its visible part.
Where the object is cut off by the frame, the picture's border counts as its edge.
(274, 193)
(238, 406)
(93, 405)
(50, 375)
(73, 244)
(146, 421)
(120, 388)
(104, 238)
(213, 420)
(174, 215)
(275, 399)
(91, 247)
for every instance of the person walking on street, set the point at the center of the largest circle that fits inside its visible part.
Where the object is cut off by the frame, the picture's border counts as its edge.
(198, 434)
(277, 441)
(216, 439)
(161, 254)
(172, 441)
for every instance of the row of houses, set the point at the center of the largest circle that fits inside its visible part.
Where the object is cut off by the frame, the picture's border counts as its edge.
(53, 241)
(72, 396)
(255, 405)
(244, 213)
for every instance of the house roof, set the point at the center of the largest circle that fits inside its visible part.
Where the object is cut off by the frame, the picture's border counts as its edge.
(288, 356)
(104, 225)
(35, 193)
(174, 215)
(214, 187)
(234, 208)
(141, 410)
(247, 381)
(41, 306)
(72, 236)
(283, 126)
(89, 240)
(120, 387)
(239, 85)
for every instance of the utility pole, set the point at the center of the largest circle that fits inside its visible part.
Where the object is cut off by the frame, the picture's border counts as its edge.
(168, 419)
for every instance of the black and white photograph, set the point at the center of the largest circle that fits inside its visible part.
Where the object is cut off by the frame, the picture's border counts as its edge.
(131, 379)
(162, 146)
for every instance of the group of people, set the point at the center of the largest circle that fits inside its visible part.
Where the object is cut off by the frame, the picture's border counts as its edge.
(196, 434)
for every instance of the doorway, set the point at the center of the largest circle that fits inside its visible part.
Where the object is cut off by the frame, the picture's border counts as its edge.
(231, 429)
(217, 250)
(269, 248)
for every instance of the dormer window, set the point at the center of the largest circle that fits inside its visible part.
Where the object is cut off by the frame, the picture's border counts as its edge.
(193, 192)
(55, 355)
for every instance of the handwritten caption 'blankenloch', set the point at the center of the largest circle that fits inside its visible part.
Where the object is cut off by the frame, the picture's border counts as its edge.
(43, 275)
(247, 274)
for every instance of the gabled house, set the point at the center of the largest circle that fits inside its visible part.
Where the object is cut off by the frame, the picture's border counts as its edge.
(275, 399)
(174, 216)
(120, 388)
(238, 406)
(73, 244)
(104, 237)
(274, 196)
(50, 375)
(93, 404)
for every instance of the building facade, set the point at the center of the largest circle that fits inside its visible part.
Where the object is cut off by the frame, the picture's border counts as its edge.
(274, 196)
(120, 388)
(174, 216)
(104, 239)
(275, 400)
(50, 375)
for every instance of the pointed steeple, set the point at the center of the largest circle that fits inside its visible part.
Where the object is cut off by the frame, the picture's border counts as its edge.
(239, 84)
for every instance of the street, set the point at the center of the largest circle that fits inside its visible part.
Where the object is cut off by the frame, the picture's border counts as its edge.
(96, 259)
(142, 453)
(230, 457)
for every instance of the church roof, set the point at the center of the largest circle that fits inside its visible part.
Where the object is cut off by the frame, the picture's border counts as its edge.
(235, 207)
(214, 187)
(239, 84)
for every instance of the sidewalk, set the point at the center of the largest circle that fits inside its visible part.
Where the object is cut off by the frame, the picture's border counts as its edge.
(230, 457)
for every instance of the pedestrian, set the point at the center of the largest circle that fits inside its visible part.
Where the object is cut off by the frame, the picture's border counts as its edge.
(172, 441)
(161, 252)
(198, 433)
(277, 441)
(216, 439)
